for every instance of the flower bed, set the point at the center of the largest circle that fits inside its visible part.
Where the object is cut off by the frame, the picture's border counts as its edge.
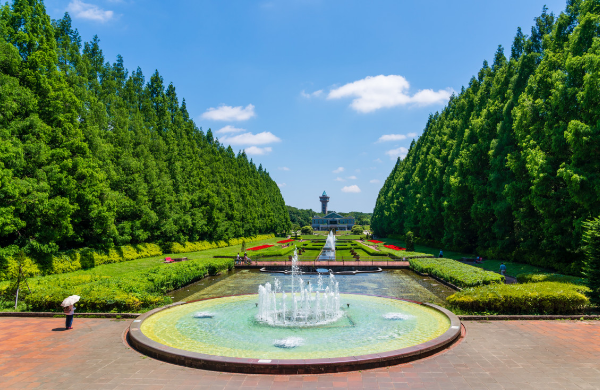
(394, 247)
(257, 248)
(375, 241)
(285, 241)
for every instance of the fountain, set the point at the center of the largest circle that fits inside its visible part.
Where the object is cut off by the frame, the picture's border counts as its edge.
(302, 306)
(328, 252)
(305, 327)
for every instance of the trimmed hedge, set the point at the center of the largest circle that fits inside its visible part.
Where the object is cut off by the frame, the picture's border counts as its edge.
(529, 298)
(130, 292)
(537, 278)
(457, 273)
(372, 252)
(185, 247)
(73, 260)
(85, 258)
(273, 252)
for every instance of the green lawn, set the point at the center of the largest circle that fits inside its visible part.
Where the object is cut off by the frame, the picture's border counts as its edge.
(512, 268)
(344, 254)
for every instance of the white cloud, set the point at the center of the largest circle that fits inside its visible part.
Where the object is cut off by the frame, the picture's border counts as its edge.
(377, 160)
(306, 95)
(339, 179)
(395, 153)
(229, 129)
(391, 137)
(412, 135)
(352, 188)
(376, 92)
(284, 168)
(357, 170)
(82, 10)
(281, 185)
(263, 138)
(339, 170)
(228, 113)
(374, 181)
(256, 151)
(352, 177)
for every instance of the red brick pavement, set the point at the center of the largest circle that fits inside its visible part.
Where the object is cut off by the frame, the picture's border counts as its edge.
(494, 355)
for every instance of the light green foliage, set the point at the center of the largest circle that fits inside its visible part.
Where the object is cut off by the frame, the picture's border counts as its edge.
(510, 168)
(129, 292)
(92, 155)
(306, 230)
(204, 245)
(530, 298)
(357, 229)
(537, 278)
(452, 271)
(73, 260)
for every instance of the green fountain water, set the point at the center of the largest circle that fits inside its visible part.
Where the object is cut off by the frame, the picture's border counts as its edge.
(229, 327)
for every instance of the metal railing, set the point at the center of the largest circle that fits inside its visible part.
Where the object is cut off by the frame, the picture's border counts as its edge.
(323, 263)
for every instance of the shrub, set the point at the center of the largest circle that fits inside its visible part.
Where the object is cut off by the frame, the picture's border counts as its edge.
(537, 278)
(133, 291)
(186, 247)
(591, 268)
(529, 298)
(372, 252)
(410, 242)
(306, 230)
(457, 273)
(76, 259)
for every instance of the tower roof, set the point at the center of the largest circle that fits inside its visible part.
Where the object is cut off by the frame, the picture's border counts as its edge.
(324, 193)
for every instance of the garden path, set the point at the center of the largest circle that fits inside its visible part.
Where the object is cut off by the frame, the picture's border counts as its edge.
(37, 353)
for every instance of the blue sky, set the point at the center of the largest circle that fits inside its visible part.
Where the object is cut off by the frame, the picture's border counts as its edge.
(326, 94)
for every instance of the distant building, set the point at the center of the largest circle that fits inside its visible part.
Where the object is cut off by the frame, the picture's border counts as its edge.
(324, 200)
(331, 221)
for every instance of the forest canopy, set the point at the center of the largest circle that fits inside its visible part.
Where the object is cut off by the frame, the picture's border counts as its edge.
(510, 168)
(92, 155)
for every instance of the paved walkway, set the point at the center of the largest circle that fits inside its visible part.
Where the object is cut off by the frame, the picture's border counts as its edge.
(36, 353)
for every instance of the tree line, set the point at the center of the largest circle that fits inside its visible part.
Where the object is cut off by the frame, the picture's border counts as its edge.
(92, 155)
(510, 168)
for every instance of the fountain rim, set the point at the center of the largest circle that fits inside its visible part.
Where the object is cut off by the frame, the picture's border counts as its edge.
(143, 344)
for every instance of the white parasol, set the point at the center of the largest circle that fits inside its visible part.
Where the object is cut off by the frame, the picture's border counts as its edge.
(70, 300)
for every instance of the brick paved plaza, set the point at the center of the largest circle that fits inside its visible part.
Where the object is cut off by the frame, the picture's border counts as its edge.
(37, 353)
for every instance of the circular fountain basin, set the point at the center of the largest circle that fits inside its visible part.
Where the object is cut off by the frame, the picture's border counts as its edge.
(224, 334)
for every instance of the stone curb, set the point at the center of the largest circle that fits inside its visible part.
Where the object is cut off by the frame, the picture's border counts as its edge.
(527, 317)
(78, 315)
(461, 317)
(442, 281)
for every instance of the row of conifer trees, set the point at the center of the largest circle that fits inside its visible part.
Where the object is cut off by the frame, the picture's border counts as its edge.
(510, 168)
(92, 155)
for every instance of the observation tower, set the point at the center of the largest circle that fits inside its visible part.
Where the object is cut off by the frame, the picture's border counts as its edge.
(324, 200)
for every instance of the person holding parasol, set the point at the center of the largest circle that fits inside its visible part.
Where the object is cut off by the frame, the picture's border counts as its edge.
(69, 309)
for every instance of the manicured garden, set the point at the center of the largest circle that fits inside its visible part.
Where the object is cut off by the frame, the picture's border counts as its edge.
(459, 274)
(134, 285)
(528, 298)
